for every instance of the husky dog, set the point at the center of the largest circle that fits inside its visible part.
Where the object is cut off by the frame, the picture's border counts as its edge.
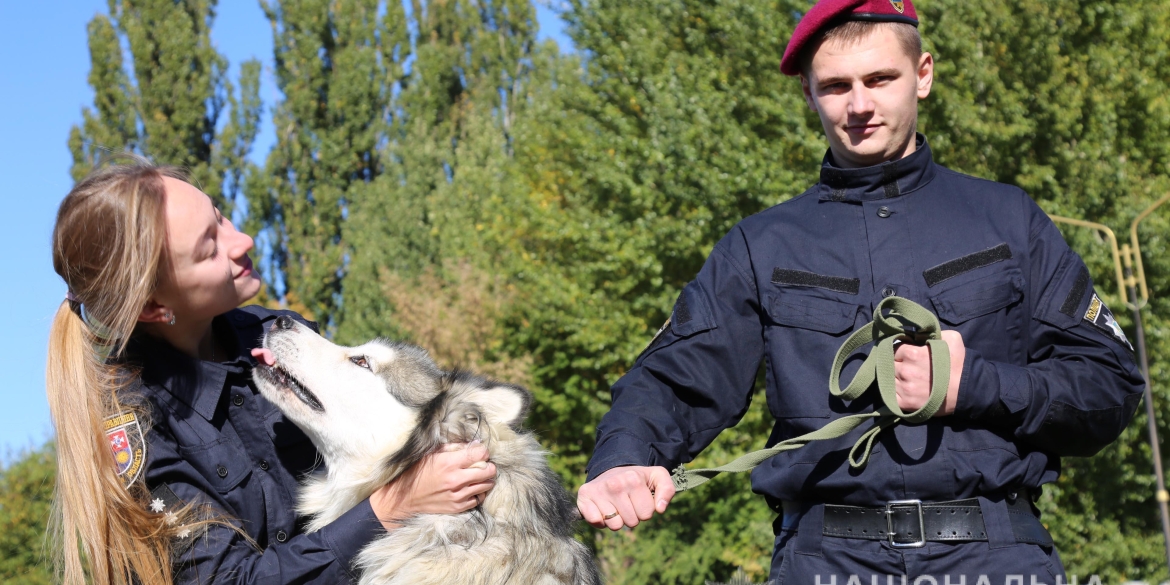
(375, 410)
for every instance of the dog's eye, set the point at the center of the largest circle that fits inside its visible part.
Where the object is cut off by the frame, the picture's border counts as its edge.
(360, 360)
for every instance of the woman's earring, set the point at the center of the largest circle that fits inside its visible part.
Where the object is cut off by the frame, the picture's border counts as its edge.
(172, 319)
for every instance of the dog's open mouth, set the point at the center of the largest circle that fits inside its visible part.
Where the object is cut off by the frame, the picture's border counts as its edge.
(281, 378)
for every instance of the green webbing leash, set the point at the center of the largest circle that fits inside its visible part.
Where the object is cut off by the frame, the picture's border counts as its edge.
(894, 318)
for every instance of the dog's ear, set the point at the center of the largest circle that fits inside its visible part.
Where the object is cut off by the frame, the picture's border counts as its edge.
(503, 403)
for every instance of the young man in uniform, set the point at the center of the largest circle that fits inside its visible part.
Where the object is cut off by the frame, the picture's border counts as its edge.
(1039, 369)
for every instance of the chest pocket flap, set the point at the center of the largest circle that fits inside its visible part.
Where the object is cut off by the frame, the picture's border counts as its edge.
(222, 464)
(814, 313)
(980, 297)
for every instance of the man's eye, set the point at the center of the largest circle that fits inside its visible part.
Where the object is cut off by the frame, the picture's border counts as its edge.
(361, 361)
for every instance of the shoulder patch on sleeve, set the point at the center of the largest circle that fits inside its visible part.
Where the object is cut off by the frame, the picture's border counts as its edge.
(126, 444)
(1098, 315)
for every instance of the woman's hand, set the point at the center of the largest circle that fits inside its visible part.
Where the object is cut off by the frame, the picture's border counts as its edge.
(449, 482)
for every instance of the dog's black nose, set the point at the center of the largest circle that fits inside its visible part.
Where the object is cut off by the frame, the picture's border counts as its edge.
(285, 322)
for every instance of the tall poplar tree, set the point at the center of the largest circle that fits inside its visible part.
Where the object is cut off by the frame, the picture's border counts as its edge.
(336, 62)
(451, 120)
(166, 103)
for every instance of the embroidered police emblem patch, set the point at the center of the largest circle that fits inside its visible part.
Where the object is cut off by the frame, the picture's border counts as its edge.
(127, 445)
(1101, 317)
(899, 6)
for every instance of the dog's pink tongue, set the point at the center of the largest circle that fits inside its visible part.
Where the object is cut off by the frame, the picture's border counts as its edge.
(264, 356)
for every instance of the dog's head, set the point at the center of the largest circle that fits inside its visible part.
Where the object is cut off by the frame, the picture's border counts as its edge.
(382, 400)
(349, 400)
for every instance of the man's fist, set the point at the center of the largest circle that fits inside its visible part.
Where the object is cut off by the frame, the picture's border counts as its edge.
(912, 374)
(625, 496)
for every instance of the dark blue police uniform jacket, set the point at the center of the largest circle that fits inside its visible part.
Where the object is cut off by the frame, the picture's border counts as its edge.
(789, 284)
(215, 440)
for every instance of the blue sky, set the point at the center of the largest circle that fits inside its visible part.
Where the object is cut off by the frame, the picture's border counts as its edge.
(42, 91)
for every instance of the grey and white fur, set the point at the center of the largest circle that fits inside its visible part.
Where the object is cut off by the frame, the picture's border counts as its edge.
(376, 410)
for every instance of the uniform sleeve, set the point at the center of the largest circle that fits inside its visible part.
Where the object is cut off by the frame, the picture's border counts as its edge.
(1081, 385)
(695, 378)
(220, 554)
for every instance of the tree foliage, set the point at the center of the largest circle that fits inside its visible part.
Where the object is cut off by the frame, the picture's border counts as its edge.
(166, 103)
(440, 176)
(26, 491)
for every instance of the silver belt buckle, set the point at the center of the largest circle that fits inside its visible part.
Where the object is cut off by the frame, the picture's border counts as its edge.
(890, 524)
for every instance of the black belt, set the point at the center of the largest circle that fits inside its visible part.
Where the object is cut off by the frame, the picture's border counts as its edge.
(912, 523)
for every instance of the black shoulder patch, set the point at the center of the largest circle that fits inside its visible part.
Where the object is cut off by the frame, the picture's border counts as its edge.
(1077, 294)
(1099, 316)
(802, 278)
(953, 268)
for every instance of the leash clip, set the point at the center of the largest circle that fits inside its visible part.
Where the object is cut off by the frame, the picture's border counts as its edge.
(914, 333)
(890, 524)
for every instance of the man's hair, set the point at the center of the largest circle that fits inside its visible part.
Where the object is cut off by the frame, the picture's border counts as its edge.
(852, 32)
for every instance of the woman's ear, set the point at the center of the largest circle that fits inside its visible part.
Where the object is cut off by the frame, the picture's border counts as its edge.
(154, 313)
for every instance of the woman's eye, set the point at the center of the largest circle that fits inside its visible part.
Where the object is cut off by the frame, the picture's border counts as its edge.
(360, 361)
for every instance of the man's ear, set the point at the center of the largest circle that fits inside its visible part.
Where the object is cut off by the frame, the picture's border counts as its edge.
(925, 75)
(154, 313)
(807, 89)
(503, 403)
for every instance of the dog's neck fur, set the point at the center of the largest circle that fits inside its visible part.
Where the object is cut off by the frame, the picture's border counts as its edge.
(347, 481)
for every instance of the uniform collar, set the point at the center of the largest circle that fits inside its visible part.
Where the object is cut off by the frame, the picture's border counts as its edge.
(889, 179)
(198, 383)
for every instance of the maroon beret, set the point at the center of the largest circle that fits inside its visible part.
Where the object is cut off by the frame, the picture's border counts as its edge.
(833, 12)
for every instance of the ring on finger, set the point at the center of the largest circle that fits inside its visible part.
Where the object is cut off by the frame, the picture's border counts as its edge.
(610, 516)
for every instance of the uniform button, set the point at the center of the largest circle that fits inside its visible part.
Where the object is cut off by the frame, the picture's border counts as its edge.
(888, 292)
(221, 470)
(238, 400)
(264, 465)
(883, 211)
(281, 536)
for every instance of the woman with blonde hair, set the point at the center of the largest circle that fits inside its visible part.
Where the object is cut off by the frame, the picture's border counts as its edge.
(172, 468)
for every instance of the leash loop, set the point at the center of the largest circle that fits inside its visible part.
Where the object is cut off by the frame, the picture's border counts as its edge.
(895, 320)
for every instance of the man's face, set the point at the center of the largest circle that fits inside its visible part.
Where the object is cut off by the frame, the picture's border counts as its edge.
(866, 94)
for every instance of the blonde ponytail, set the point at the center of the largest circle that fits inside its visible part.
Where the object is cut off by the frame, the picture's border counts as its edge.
(109, 247)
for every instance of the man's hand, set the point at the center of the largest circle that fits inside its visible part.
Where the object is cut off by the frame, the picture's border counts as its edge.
(912, 374)
(627, 495)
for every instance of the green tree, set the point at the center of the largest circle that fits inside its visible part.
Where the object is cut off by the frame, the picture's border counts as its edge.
(26, 493)
(336, 62)
(448, 153)
(167, 102)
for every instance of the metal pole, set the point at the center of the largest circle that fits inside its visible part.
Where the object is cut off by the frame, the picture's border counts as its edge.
(1151, 425)
(1128, 280)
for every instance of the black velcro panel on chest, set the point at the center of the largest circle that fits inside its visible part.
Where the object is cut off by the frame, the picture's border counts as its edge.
(802, 278)
(1077, 294)
(953, 268)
